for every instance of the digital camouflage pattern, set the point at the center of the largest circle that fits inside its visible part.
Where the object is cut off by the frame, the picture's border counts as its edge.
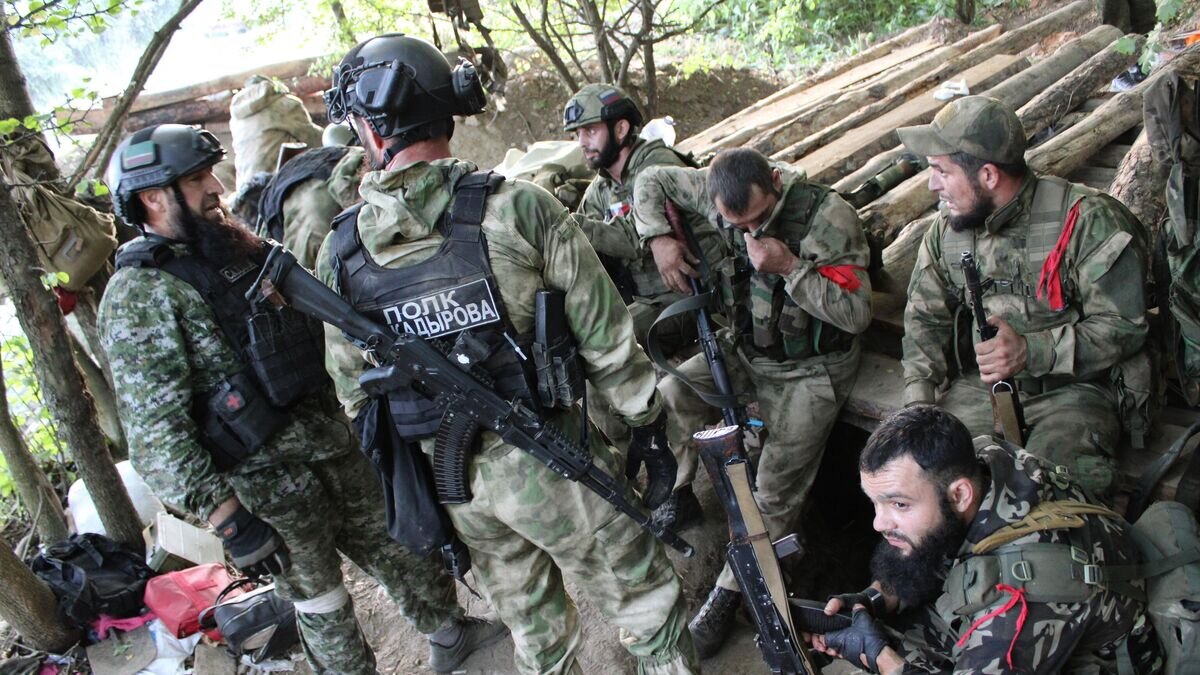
(311, 206)
(1071, 352)
(309, 482)
(799, 398)
(527, 527)
(1087, 636)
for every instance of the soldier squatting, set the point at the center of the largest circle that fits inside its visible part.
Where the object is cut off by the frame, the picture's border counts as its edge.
(267, 448)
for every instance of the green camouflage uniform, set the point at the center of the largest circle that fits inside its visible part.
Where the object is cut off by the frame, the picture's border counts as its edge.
(525, 526)
(1071, 352)
(309, 482)
(312, 205)
(263, 116)
(1088, 636)
(605, 216)
(801, 359)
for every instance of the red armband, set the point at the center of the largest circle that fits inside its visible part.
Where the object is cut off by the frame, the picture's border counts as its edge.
(842, 275)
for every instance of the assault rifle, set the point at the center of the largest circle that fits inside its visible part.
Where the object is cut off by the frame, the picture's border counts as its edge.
(1008, 415)
(467, 396)
(752, 557)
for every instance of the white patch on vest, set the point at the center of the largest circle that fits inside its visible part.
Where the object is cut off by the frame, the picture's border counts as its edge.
(444, 311)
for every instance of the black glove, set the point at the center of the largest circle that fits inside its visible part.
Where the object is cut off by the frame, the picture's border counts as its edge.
(648, 445)
(864, 637)
(256, 548)
(869, 597)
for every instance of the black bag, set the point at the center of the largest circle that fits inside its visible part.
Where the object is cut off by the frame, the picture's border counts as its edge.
(91, 575)
(259, 623)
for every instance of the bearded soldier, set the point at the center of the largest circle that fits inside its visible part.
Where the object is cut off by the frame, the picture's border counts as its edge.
(257, 446)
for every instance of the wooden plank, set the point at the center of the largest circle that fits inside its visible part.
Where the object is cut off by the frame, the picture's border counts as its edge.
(827, 163)
(1110, 156)
(877, 393)
(734, 130)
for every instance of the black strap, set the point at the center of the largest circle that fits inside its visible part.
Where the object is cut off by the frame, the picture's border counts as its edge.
(317, 163)
(688, 304)
(470, 197)
(1189, 485)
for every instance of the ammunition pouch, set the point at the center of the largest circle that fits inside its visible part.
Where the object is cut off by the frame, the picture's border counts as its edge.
(285, 351)
(560, 377)
(235, 420)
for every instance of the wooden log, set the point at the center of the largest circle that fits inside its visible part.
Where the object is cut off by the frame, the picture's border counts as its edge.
(1110, 156)
(1097, 177)
(828, 163)
(1073, 90)
(1140, 184)
(286, 70)
(788, 108)
(1008, 43)
(798, 124)
(1015, 91)
(828, 72)
(900, 256)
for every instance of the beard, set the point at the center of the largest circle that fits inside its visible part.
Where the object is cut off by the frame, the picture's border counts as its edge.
(915, 577)
(974, 219)
(608, 154)
(220, 239)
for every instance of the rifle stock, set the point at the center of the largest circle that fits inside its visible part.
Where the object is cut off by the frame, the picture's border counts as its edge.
(413, 361)
(750, 554)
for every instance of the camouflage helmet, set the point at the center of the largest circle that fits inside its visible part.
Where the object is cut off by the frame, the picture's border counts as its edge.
(156, 157)
(600, 103)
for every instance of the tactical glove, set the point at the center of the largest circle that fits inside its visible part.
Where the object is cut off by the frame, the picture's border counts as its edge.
(255, 546)
(648, 445)
(864, 637)
(868, 597)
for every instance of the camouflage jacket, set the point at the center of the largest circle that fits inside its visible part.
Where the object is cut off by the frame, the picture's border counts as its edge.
(311, 206)
(819, 227)
(606, 216)
(1085, 635)
(1103, 321)
(167, 352)
(532, 243)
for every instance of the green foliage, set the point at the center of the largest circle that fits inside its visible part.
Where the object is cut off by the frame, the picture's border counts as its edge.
(1125, 45)
(30, 414)
(54, 20)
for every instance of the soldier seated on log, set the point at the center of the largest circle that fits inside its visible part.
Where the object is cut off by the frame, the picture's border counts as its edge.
(1062, 268)
(959, 588)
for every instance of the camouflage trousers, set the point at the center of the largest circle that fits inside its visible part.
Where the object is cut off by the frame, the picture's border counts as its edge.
(673, 335)
(799, 404)
(1076, 426)
(527, 529)
(321, 508)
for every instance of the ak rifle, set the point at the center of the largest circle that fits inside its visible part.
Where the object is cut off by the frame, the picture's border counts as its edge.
(1008, 415)
(449, 377)
(752, 557)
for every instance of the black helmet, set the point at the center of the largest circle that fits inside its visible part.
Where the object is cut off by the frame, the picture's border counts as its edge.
(154, 157)
(400, 83)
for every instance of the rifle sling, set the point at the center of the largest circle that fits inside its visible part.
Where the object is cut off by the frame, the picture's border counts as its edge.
(1005, 411)
(691, 303)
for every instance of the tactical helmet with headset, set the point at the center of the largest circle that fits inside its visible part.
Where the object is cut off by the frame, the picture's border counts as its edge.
(404, 88)
(156, 157)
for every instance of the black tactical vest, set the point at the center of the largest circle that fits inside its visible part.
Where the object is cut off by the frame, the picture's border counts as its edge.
(317, 163)
(449, 297)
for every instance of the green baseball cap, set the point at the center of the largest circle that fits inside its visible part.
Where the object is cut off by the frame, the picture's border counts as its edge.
(977, 125)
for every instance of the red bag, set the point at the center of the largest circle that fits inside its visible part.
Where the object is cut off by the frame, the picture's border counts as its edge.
(179, 597)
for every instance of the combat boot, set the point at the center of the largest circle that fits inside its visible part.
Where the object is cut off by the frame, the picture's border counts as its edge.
(713, 623)
(680, 511)
(469, 635)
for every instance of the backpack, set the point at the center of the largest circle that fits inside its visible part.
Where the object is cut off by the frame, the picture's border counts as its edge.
(91, 575)
(1167, 536)
(1172, 117)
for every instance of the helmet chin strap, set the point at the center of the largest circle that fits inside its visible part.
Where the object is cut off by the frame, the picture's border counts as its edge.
(424, 132)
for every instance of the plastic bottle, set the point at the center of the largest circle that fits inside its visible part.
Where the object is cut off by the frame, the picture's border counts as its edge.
(662, 128)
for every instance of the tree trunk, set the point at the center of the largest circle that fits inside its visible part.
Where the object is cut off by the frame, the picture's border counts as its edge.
(86, 320)
(106, 400)
(543, 44)
(1008, 43)
(33, 487)
(650, 100)
(28, 606)
(1070, 92)
(1141, 185)
(67, 397)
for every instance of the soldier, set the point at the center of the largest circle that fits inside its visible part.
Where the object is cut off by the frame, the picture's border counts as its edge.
(1063, 268)
(795, 315)
(967, 578)
(606, 121)
(432, 228)
(216, 431)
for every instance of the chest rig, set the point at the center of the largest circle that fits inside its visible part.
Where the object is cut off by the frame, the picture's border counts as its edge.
(281, 351)
(1032, 245)
(777, 326)
(450, 299)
